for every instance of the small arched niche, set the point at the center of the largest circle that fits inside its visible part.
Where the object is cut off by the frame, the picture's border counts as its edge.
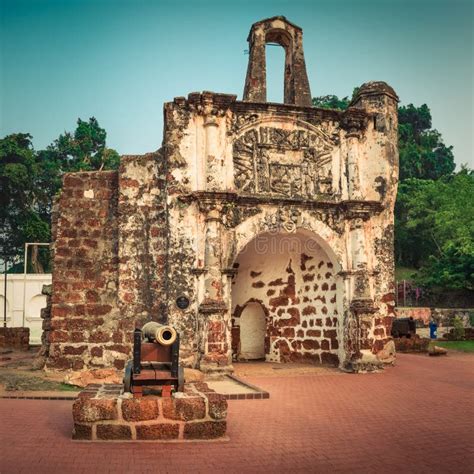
(252, 332)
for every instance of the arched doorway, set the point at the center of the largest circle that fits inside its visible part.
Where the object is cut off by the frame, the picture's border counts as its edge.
(253, 329)
(287, 296)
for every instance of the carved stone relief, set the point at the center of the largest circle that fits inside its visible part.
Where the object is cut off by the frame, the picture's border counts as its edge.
(233, 215)
(237, 121)
(284, 219)
(283, 163)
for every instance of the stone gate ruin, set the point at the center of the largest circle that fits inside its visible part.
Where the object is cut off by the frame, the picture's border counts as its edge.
(259, 230)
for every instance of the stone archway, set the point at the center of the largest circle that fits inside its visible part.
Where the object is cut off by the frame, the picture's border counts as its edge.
(291, 279)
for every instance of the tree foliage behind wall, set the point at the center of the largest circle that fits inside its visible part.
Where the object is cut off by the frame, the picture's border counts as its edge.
(30, 179)
(423, 154)
(434, 229)
(20, 201)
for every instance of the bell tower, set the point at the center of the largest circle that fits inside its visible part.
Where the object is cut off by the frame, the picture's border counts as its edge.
(296, 86)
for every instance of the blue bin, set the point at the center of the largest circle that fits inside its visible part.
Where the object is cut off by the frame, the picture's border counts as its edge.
(433, 330)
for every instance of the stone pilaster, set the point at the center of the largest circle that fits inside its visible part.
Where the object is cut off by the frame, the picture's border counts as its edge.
(213, 309)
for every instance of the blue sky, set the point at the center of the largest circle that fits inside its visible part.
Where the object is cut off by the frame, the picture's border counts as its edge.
(121, 60)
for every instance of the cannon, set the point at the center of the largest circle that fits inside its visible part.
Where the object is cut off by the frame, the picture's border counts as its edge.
(404, 327)
(155, 364)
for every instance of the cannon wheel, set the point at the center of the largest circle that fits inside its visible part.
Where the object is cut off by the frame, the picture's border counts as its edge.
(127, 378)
(180, 379)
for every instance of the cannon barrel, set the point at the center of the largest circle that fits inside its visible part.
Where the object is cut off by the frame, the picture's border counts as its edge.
(161, 333)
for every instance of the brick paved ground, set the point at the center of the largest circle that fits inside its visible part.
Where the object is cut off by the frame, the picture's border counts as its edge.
(416, 417)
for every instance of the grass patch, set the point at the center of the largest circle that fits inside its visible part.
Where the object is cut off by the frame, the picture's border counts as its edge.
(65, 387)
(463, 346)
(20, 382)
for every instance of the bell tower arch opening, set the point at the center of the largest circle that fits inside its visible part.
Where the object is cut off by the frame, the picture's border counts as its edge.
(277, 30)
(275, 57)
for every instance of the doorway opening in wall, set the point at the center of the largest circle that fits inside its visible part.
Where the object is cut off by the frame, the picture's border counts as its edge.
(275, 69)
(253, 328)
(286, 300)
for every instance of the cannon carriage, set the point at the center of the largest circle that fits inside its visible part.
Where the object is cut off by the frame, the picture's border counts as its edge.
(155, 365)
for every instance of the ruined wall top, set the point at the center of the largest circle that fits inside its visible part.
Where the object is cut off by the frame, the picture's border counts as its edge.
(296, 85)
(374, 88)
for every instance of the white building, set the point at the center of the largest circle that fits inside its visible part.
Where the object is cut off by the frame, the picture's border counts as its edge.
(24, 302)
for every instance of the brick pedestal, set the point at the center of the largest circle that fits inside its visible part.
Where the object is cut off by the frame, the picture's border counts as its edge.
(105, 413)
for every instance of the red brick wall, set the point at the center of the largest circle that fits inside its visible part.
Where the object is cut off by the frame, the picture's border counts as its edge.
(15, 338)
(84, 320)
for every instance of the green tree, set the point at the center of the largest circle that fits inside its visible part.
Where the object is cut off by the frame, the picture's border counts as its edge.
(411, 247)
(423, 154)
(84, 150)
(417, 119)
(458, 330)
(434, 229)
(331, 102)
(20, 220)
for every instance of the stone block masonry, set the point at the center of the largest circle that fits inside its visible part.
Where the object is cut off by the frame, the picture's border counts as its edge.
(442, 316)
(108, 262)
(85, 327)
(105, 413)
(15, 338)
(412, 344)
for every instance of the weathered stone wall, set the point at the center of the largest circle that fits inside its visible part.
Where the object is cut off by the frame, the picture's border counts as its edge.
(15, 338)
(142, 237)
(43, 353)
(109, 262)
(290, 37)
(422, 316)
(294, 281)
(377, 171)
(85, 320)
(442, 316)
